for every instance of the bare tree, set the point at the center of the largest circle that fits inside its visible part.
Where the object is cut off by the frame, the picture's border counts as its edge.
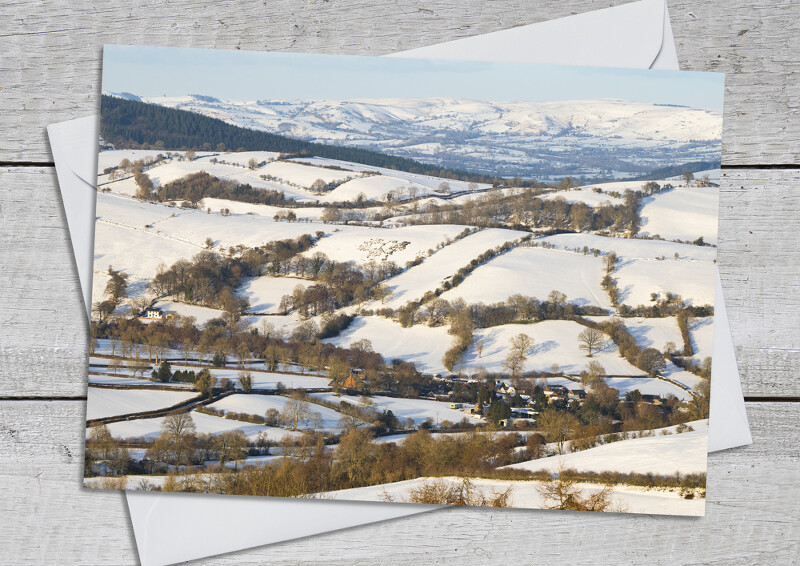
(594, 372)
(295, 413)
(382, 291)
(591, 340)
(138, 366)
(563, 492)
(232, 446)
(518, 354)
(178, 424)
(651, 361)
(557, 426)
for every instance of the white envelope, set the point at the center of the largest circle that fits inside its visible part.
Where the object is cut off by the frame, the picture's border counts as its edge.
(635, 35)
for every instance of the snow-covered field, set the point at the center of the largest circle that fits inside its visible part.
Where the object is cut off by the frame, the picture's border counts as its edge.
(103, 402)
(525, 494)
(554, 342)
(417, 409)
(302, 174)
(692, 280)
(683, 213)
(260, 404)
(535, 272)
(585, 195)
(312, 213)
(266, 380)
(376, 187)
(205, 424)
(655, 332)
(199, 313)
(265, 292)
(659, 454)
(431, 273)
(167, 172)
(632, 248)
(647, 386)
(400, 245)
(137, 237)
(136, 253)
(242, 158)
(408, 179)
(701, 331)
(423, 345)
(683, 377)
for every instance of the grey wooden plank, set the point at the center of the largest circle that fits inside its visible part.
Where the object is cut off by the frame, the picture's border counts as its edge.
(49, 67)
(752, 515)
(43, 351)
(758, 261)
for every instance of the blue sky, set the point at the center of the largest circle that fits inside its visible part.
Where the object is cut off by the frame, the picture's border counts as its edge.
(251, 75)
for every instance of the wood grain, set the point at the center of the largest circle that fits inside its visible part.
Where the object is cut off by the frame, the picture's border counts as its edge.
(49, 71)
(50, 52)
(44, 345)
(752, 514)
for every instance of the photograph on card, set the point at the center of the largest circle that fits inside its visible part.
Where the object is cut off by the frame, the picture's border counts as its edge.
(403, 280)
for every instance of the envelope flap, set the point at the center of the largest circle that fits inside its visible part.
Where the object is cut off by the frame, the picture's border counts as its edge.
(624, 36)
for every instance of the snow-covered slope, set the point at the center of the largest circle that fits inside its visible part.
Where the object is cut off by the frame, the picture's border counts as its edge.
(423, 345)
(419, 410)
(204, 424)
(658, 454)
(431, 273)
(112, 402)
(535, 272)
(554, 342)
(260, 404)
(682, 213)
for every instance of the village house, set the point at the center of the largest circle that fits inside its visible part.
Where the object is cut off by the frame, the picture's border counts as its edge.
(351, 382)
(523, 413)
(152, 313)
(577, 394)
(506, 389)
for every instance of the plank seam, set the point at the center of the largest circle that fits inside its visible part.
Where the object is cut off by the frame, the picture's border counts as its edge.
(723, 166)
(747, 398)
(27, 164)
(42, 398)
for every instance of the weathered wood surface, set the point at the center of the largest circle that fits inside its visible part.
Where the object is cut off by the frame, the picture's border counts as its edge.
(752, 513)
(50, 51)
(42, 354)
(49, 71)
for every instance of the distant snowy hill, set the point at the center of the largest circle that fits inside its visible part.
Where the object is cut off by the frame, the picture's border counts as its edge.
(581, 138)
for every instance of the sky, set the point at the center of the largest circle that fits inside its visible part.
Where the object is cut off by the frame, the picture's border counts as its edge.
(235, 75)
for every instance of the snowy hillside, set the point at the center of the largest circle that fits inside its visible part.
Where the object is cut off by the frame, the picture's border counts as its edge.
(112, 402)
(657, 454)
(554, 342)
(520, 271)
(423, 345)
(509, 138)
